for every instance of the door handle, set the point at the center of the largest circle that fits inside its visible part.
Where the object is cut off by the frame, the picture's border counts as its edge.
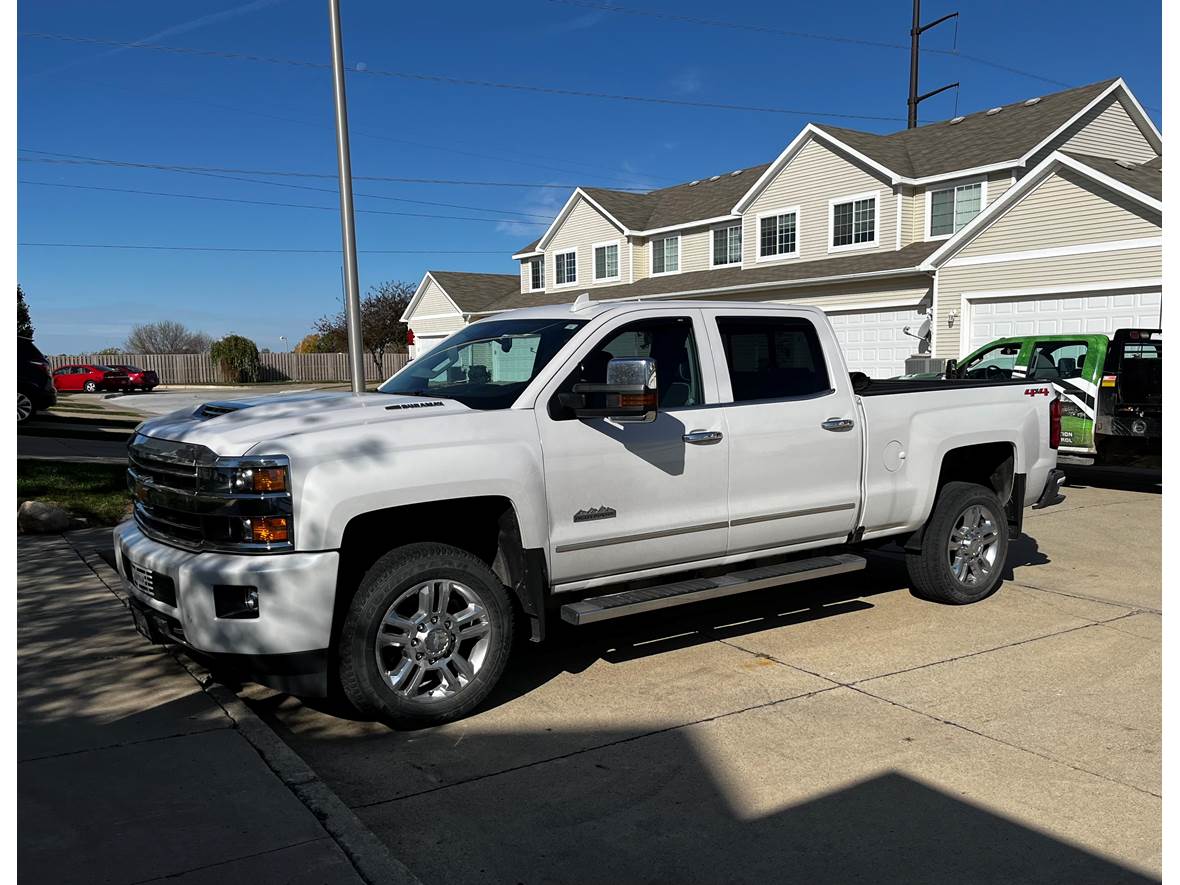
(698, 437)
(838, 424)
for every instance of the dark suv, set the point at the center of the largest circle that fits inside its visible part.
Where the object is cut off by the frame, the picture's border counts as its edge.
(34, 384)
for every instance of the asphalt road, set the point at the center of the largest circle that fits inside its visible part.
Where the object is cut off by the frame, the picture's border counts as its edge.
(841, 731)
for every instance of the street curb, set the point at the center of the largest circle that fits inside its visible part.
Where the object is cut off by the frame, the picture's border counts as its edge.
(371, 857)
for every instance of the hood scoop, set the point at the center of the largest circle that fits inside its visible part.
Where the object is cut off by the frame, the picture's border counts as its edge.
(213, 410)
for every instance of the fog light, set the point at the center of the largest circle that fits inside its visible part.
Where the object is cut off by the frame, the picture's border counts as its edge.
(267, 529)
(235, 601)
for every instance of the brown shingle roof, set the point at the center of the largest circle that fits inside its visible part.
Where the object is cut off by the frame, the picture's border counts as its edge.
(977, 140)
(1144, 177)
(697, 282)
(474, 292)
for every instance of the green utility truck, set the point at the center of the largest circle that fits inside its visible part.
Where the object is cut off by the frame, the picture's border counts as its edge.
(1111, 388)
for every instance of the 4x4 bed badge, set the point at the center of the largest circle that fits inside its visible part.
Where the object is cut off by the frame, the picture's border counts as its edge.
(595, 513)
(1037, 391)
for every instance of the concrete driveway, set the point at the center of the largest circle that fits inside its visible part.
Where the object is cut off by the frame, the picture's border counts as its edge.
(842, 732)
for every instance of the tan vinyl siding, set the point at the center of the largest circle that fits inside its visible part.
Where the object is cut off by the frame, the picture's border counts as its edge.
(640, 257)
(434, 313)
(526, 275)
(864, 296)
(913, 209)
(1065, 210)
(997, 183)
(816, 175)
(694, 249)
(1063, 271)
(1106, 131)
(582, 228)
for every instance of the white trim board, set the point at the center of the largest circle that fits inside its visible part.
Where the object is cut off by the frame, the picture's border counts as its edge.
(1055, 252)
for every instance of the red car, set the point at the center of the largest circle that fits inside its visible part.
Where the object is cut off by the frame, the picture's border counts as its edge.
(89, 377)
(144, 379)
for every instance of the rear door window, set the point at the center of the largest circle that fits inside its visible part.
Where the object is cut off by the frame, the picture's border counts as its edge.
(773, 358)
(1057, 360)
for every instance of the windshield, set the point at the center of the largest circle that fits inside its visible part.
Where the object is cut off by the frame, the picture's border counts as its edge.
(487, 364)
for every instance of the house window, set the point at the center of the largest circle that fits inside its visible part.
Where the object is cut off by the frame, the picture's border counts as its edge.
(951, 208)
(854, 222)
(665, 255)
(537, 274)
(566, 264)
(778, 234)
(606, 261)
(727, 245)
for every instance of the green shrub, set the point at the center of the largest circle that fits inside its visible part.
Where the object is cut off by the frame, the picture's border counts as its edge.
(237, 358)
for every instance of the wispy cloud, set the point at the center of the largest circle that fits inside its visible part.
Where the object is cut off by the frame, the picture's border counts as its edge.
(578, 23)
(687, 82)
(184, 27)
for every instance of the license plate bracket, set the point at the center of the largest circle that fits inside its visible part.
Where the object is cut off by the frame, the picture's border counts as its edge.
(145, 624)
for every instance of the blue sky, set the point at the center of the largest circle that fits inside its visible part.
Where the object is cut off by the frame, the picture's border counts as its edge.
(136, 105)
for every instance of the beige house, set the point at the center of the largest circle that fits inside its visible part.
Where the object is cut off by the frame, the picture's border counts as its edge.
(1041, 215)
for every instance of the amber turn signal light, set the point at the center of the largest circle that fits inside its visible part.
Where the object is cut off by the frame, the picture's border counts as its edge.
(270, 479)
(269, 529)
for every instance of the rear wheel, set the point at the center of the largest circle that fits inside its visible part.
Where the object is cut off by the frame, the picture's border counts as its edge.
(964, 546)
(24, 408)
(426, 637)
(90, 387)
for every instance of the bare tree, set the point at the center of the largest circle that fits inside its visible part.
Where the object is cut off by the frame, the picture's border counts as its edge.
(381, 327)
(166, 336)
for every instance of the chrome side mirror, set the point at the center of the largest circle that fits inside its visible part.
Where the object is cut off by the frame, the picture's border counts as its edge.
(628, 396)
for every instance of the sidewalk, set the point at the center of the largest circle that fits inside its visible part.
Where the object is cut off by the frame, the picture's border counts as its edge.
(129, 772)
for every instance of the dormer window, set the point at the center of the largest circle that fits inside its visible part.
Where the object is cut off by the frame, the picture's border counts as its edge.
(950, 209)
(537, 274)
(606, 262)
(727, 245)
(665, 255)
(852, 222)
(565, 266)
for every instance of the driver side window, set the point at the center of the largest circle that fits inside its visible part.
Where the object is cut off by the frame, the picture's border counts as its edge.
(667, 340)
(995, 362)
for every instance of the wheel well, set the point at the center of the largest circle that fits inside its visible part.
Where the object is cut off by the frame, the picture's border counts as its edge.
(472, 524)
(987, 464)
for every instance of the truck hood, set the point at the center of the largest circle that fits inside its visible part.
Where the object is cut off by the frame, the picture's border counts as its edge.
(234, 427)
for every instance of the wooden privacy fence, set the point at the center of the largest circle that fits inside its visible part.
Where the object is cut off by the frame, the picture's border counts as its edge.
(199, 368)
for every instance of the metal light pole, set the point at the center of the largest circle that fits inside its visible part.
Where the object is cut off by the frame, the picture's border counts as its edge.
(352, 297)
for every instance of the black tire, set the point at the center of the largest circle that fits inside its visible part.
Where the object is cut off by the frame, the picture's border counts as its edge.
(90, 387)
(931, 573)
(397, 572)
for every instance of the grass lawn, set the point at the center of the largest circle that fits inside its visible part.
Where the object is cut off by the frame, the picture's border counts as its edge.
(97, 492)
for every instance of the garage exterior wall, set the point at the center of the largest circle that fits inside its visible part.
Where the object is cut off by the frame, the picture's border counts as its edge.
(814, 177)
(434, 313)
(1062, 273)
(582, 228)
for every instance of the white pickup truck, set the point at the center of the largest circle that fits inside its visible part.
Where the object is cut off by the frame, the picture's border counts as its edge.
(581, 463)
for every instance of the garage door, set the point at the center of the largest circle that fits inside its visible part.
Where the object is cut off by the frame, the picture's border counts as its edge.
(1061, 315)
(873, 340)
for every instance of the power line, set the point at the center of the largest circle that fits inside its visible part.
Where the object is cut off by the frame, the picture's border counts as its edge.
(280, 251)
(125, 190)
(73, 159)
(452, 81)
(781, 32)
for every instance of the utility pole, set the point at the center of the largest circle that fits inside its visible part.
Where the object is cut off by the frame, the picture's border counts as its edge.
(352, 297)
(915, 37)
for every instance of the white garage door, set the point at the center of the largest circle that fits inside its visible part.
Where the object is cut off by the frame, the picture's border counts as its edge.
(873, 340)
(1061, 315)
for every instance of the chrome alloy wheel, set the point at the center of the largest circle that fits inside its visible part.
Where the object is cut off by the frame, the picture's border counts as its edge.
(433, 640)
(972, 547)
(24, 407)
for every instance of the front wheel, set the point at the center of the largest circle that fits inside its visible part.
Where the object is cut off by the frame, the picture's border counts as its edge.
(90, 387)
(24, 408)
(426, 637)
(964, 547)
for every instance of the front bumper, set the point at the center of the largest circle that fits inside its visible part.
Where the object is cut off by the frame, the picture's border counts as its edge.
(285, 646)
